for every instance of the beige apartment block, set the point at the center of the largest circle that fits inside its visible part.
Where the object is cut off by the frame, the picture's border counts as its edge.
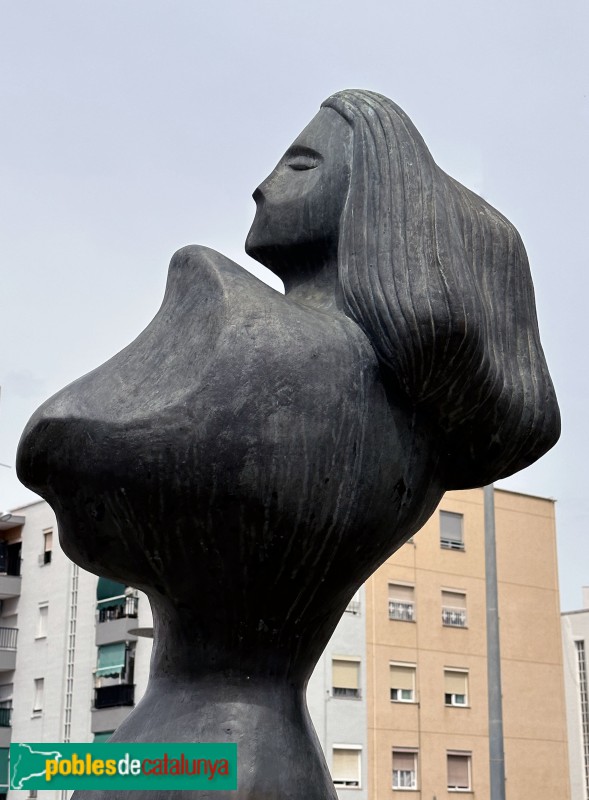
(426, 663)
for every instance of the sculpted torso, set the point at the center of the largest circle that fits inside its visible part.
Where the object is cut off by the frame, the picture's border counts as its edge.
(252, 426)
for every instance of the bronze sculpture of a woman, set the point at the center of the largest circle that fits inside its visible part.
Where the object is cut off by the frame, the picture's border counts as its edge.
(251, 458)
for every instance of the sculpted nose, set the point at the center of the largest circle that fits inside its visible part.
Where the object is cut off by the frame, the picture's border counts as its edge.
(258, 194)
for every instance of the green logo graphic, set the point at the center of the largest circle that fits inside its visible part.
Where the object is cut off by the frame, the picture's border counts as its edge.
(123, 766)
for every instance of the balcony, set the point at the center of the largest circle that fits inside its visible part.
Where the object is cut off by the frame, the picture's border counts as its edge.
(116, 617)
(401, 611)
(353, 607)
(126, 608)
(9, 586)
(5, 723)
(120, 694)
(9, 569)
(112, 704)
(8, 637)
(454, 617)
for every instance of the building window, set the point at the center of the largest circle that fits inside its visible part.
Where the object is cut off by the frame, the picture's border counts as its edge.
(6, 705)
(403, 683)
(459, 770)
(401, 602)
(42, 621)
(38, 696)
(455, 687)
(451, 531)
(103, 736)
(10, 557)
(404, 769)
(454, 609)
(111, 660)
(346, 766)
(47, 546)
(353, 606)
(584, 702)
(346, 677)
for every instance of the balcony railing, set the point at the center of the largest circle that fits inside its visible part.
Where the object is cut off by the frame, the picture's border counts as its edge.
(454, 617)
(123, 606)
(353, 607)
(404, 779)
(8, 638)
(451, 544)
(340, 691)
(121, 694)
(402, 611)
(5, 713)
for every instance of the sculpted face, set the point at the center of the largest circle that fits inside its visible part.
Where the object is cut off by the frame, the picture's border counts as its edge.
(298, 206)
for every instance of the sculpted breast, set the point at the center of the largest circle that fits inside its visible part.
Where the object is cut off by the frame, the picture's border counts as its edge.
(235, 405)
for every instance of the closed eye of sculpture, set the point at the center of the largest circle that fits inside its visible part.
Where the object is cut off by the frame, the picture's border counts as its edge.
(251, 458)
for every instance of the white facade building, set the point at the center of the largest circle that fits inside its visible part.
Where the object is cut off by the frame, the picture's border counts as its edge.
(575, 640)
(336, 697)
(71, 669)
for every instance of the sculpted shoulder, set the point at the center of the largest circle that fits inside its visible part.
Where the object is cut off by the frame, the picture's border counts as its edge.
(201, 274)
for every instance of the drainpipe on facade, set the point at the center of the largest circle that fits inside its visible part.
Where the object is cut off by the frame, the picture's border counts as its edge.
(496, 751)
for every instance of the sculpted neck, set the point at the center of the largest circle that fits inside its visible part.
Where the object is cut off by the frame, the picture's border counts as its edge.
(313, 283)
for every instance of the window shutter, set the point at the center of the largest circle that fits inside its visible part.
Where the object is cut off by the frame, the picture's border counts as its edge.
(402, 677)
(38, 698)
(42, 621)
(451, 526)
(453, 599)
(454, 682)
(48, 537)
(346, 766)
(403, 761)
(458, 771)
(345, 674)
(403, 594)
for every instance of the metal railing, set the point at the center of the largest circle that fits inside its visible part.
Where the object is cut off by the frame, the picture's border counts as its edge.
(11, 569)
(404, 779)
(120, 694)
(353, 607)
(5, 713)
(451, 544)
(128, 608)
(402, 611)
(454, 617)
(8, 637)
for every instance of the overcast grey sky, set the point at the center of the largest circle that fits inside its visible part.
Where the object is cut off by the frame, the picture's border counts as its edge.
(133, 127)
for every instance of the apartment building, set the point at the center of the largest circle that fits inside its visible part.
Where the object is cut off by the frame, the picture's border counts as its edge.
(575, 645)
(426, 660)
(336, 697)
(70, 668)
(398, 698)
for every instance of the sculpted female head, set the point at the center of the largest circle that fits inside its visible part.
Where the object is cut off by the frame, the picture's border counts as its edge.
(439, 281)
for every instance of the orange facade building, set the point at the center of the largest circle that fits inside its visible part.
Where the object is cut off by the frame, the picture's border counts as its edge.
(426, 656)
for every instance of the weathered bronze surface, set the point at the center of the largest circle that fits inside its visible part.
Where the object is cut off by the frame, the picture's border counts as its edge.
(251, 458)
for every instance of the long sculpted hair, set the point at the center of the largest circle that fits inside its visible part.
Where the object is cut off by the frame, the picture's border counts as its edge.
(439, 281)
